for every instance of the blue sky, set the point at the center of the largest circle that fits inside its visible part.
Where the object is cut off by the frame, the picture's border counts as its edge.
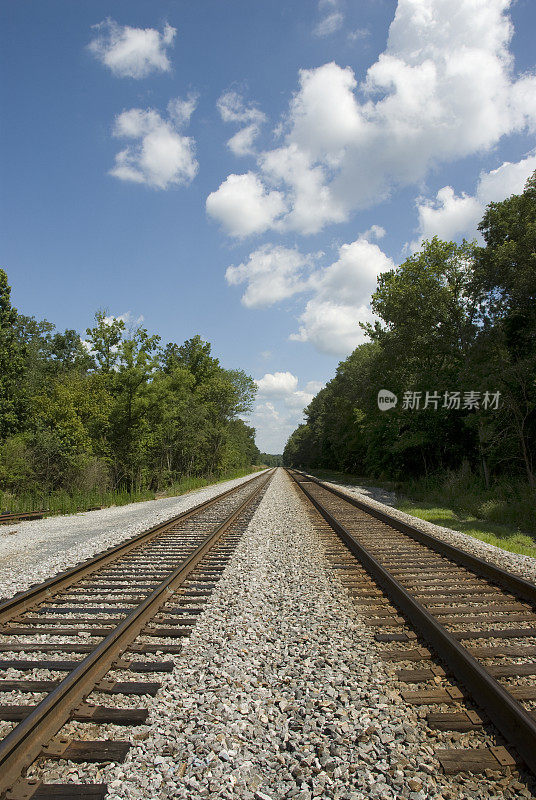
(245, 170)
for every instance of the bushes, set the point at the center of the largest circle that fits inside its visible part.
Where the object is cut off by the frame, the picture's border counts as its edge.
(509, 501)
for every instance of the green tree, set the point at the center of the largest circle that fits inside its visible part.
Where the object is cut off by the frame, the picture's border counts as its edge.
(504, 279)
(12, 364)
(195, 356)
(504, 287)
(136, 360)
(104, 339)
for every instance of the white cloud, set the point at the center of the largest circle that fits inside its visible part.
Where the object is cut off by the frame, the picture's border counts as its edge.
(241, 143)
(339, 293)
(374, 232)
(128, 318)
(358, 34)
(277, 383)
(299, 399)
(508, 179)
(132, 52)
(329, 24)
(330, 320)
(244, 206)
(444, 88)
(332, 328)
(232, 108)
(279, 408)
(162, 157)
(272, 274)
(311, 200)
(450, 215)
(180, 110)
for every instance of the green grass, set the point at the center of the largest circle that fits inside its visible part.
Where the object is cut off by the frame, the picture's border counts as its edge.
(491, 532)
(71, 502)
(189, 484)
(504, 515)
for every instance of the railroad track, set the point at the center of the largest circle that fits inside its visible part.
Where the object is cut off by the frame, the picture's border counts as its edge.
(6, 518)
(136, 599)
(479, 619)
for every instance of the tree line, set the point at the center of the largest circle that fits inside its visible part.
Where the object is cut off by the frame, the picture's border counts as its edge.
(115, 410)
(271, 460)
(455, 341)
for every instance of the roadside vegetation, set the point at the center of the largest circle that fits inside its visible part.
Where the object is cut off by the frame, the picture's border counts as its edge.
(462, 504)
(63, 502)
(113, 417)
(452, 318)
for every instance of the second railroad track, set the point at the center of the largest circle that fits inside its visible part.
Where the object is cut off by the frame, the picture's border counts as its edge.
(478, 618)
(102, 616)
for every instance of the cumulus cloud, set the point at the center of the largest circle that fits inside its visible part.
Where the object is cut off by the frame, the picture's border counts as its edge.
(444, 88)
(450, 215)
(277, 383)
(132, 52)
(161, 156)
(244, 206)
(279, 408)
(271, 274)
(332, 328)
(339, 294)
(330, 320)
(233, 108)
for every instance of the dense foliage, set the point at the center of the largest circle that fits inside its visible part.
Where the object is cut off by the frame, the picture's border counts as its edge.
(451, 318)
(114, 411)
(271, 460)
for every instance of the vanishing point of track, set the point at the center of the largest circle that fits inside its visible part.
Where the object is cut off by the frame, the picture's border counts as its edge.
(149, 587)
(454, 601)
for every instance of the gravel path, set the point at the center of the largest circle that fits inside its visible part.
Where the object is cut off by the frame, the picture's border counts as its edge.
(525, 566)
(33, 551)
(280, 692)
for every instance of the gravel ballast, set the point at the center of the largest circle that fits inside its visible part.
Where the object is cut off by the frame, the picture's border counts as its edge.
(280, 692)
(35, 550)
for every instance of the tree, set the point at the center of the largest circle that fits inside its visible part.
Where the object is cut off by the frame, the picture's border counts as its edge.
(505, 269)
(428, 314)
(136, 360)
(104, 340)
(504, 287)
(12, 364)
(194, 354)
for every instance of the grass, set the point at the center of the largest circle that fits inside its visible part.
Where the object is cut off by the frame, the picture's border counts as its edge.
(503, 515)
(501, 536)
(62, 502)
(189, 484)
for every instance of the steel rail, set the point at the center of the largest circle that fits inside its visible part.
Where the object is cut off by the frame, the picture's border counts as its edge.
(509, 716)
(485, 569)
(25, 742)
(22, 601)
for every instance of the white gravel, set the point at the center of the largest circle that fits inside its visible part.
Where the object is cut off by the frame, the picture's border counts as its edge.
(280, 692)
(524, 566)
(35, 550)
